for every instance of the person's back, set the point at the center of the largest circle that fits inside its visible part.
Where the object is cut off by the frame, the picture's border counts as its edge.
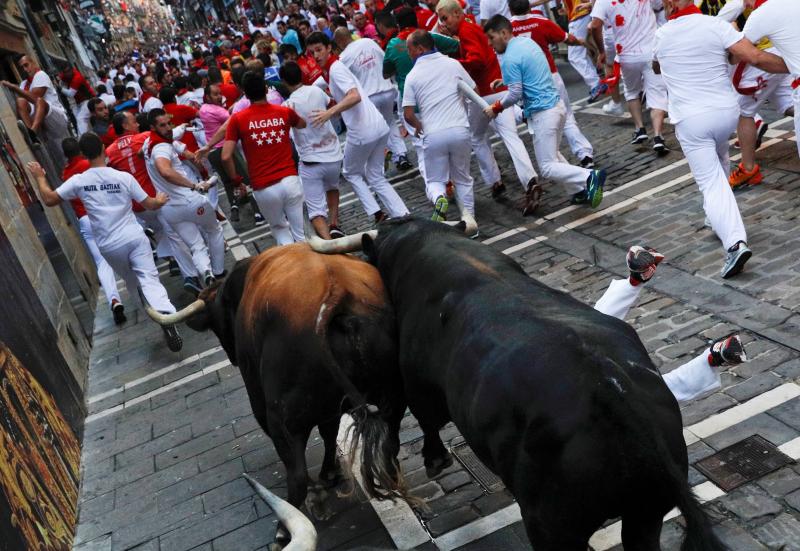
(313, 144)
(364, 58)
(432, 85)
(525, 62)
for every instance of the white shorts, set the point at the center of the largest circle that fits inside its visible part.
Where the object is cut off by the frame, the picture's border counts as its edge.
(637, 77)
(775, 88)
(317, 179)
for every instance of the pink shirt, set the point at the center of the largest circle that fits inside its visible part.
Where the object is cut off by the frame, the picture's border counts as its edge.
(273, 97)
(213, 116)
(368, 31)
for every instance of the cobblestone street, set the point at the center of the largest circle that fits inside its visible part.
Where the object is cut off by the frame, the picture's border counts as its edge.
(169, 435)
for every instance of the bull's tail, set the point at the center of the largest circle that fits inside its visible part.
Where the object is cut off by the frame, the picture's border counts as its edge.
(699, 536)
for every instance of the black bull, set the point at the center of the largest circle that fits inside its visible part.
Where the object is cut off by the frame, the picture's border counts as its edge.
(559, 400)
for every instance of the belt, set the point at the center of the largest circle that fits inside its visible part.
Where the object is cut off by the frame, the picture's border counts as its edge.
(796, 83)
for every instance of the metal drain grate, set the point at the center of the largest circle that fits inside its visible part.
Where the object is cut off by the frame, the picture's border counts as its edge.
(480, 472)
(742, 462)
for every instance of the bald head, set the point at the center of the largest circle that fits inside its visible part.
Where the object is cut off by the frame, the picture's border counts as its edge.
(419, 42)
(342, 37)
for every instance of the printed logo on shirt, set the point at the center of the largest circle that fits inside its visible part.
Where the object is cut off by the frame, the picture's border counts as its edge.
(265, 123)
(201, 211)
(108, 188)
(267, 138)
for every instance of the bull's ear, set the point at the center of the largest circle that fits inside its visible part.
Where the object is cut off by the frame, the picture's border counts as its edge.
(461, 226)
(369, 249)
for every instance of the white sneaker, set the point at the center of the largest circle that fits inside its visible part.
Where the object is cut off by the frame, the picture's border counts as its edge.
(613, 108)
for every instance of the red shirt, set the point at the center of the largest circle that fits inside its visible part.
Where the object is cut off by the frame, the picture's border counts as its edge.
(263, 129)
(231, 94)
(309, 68)
(478, 57)
(76, 165)
(82, 87)
(124, 155)
(109, 137)
(542, 31)
(183, 114)
(424, 16)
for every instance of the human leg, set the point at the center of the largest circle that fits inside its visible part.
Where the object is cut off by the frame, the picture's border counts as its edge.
(479, 126)
(578, 143)
(270, 203)
(384, 101)
(377, 181)
(182, 220)
(353, 170)
(578, 56)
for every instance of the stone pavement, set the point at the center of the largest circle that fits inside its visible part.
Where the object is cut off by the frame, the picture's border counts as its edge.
(170, 434)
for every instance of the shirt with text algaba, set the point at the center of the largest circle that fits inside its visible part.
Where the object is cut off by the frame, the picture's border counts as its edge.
(263, 130)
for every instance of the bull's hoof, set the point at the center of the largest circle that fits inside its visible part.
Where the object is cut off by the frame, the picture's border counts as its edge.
(435, 467)
(317, 505)
(330, 479)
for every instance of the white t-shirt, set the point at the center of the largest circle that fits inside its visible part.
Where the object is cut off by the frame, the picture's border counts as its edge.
(313, 144)
(192, 96)
(731, 11)
(107, 193)
(692, 53)
(633, 24)
(490, 8)
(364, 58)
(432, 87)
(364, 122)
(778, 20)
(42, 80)
(108, 99)
(178, 195)
(152, 103)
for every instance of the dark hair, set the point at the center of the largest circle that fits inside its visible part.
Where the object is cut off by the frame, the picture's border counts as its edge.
(91, 145)
(214, 76)
(118, 120)
(101, 89)
(284, 49)
(337, 21)
(406, 18)
(92, 105)
(496, 24)
(194, 81)
(70, 147)
(144, 122)
(119, 91)
(197, 54)
(254, 86)
(168, 95)
(141, 81)
(385, 19)
(318, 37)
(179, 82)
(237, 73)
(153, 114)
(129, 77)
(422, 39)
(290, 73)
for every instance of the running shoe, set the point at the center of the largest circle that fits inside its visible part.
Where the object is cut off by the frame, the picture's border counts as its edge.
(640, 136)
(533, 198)
(173, 338)
(440, 209)
(587, 162)
(741, 176)
(258, 218)
(192, 286)
(761, 128)
(234, 213)
(335, 232)
(579, 198)
(118, 310)
(727, 351)
(402, 163)
(659, 146)
(594, 187)
(379, 216)
(597, 91)
(208, 278)
(735, 260)
(613, 108)
(174, 269)
(498, 189)
(642, 262)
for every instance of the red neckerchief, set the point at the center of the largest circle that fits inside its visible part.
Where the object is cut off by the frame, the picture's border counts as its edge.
(389, 35)
(145, 96)
(404, 33)
(155, 139)
(691, 9)
(326, 70)
(28, 82)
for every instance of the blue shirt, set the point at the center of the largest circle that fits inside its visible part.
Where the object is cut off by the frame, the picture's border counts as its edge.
(524, 62)
(291, 38)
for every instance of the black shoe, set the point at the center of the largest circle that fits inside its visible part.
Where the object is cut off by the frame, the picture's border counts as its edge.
(587, 162)
(727, 351)
(659, 146)
(174, 340)
(640, 136)
(174, 269)
(150, 233)
(533, 197)
(221, 275)
(762, 129)
(208, 278)
(32, 136)
(498, 189)
(380, 216)
(403, 163)
(335, 232)
(118, 310)
(259, 219)
(234, 213)
(580, 198)
(192, 286)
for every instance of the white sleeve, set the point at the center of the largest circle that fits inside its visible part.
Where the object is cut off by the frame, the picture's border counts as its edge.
(464, 75)
(134, 189)
(68, 91)
(41, 80)
(727, 34)
(600, 11)
(409, 95)
(485, 12)
(68, 190)
(162, 151)
(756, 27)
(345, 80)
(731, 10)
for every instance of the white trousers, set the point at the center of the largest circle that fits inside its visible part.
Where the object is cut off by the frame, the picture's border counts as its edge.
(546, 128)
(578, 143)
(363, 168)
(282, 207)
(134, 263)
(384, 101)
(638, 76)
(317, 179)
(506, 127)
(447, 159)
(704, 139)
(168, 242)
(82, 116)
(578, 56)
(194, 221)
(104, 272)
(686, 382)
(418, 149)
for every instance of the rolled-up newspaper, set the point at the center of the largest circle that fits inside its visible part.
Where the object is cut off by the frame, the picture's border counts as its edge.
(472, 95)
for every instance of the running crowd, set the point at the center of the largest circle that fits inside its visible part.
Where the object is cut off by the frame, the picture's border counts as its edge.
(277, 110)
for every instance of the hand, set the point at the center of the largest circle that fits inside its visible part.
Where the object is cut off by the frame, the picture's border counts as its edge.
(496, 83)
(161, 198)
(6, 83)
(36, 169)
(318, 118)
(403, 131)
(489, 112)
(601, 59)
(202, 152)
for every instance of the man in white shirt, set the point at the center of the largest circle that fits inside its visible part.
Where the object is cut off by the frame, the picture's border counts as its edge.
(319, 151)
(432, 87)
(367, 132)
(107, 194)
(634, 25)
(779, 21)
(364, 58)
(189, 212)
(692, 51)
(149, 97)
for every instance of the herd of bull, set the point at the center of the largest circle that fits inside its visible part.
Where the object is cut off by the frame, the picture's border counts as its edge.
(562, 402)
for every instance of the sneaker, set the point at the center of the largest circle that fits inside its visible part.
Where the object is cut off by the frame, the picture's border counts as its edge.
(174, 269)
(735, 260)
(659, 146)
(259, 219)
(597, 91)
(208, 278)
(640, 136)
(642, 262)
(234, 213)
(192, 286)
(221, 275)
(761, 128)
(150, 233)
(402, 163)
(594, 187)
(335, 232)
(440, 209)
(727, 351)
(741, 176)
(498, 189)
(380, 216)
(173, 338)
(118, 310)
(614, 108)
(580, 198)
(533, 197)
(587, 162)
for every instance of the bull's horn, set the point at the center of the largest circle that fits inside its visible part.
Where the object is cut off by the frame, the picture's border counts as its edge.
(304, 535)
(177, 317)
(346, 244)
